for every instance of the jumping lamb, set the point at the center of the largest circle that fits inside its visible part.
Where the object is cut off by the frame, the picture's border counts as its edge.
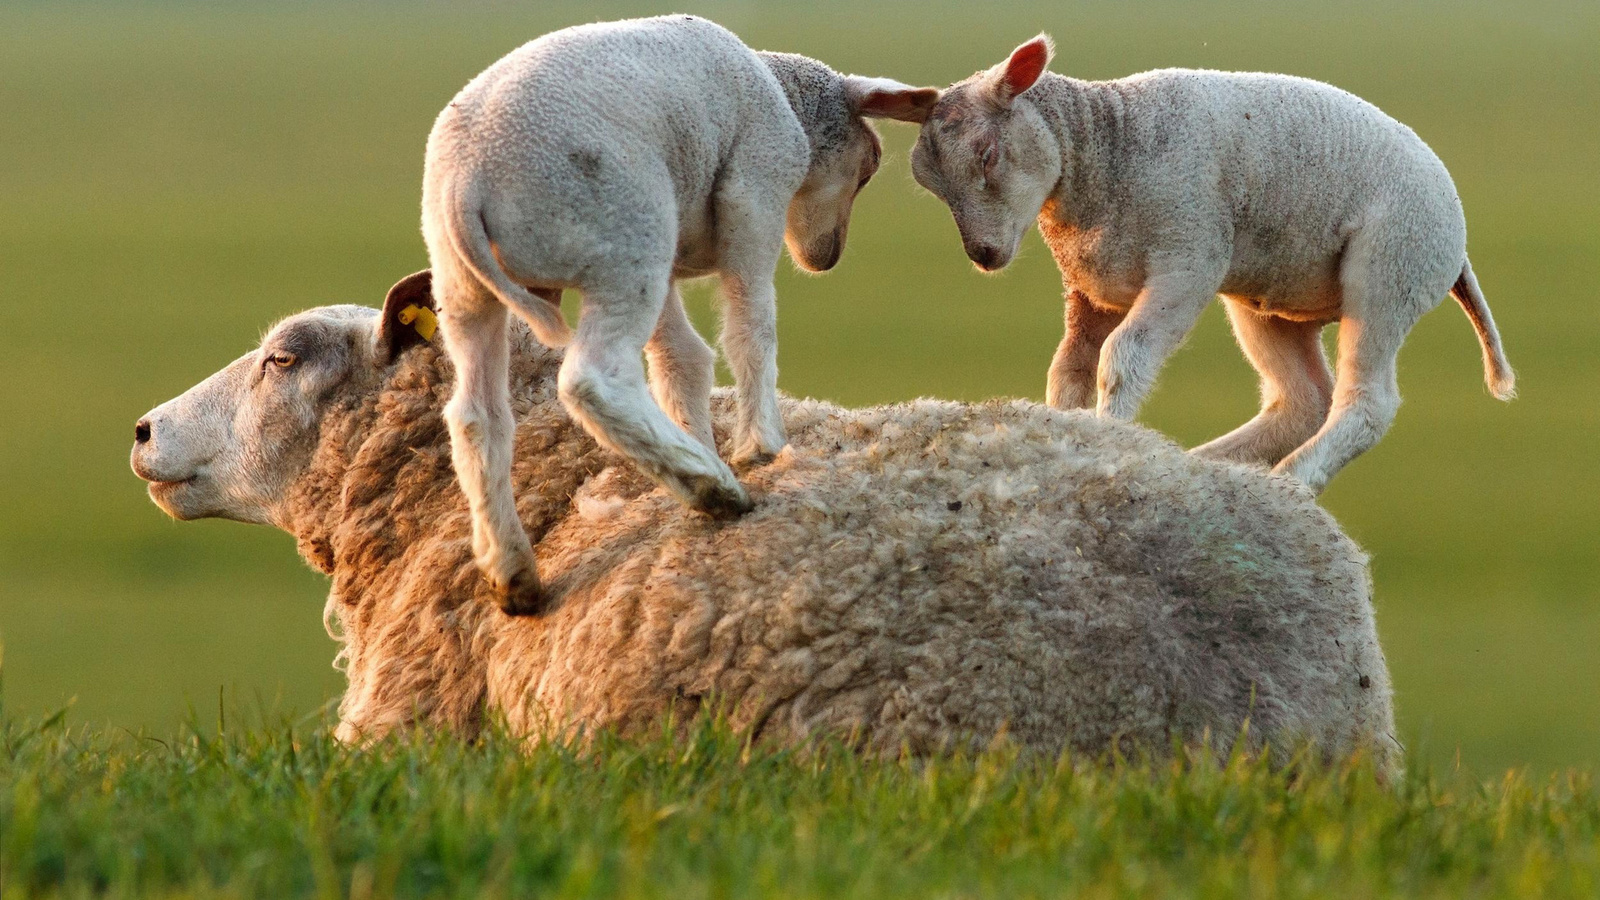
(1299, 203)
(916, 577)
(616, 158)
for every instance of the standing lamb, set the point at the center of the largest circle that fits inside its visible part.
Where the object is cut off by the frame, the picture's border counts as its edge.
(616, 158)
(1297, 202)
(919, 576)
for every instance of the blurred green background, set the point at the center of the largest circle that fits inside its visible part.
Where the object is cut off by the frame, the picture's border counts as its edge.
(175, 176)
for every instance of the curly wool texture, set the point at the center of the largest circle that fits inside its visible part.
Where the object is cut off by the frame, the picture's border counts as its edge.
(916, 576)
(817, 95)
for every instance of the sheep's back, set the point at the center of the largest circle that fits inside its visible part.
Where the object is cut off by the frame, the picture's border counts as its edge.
(933, 573)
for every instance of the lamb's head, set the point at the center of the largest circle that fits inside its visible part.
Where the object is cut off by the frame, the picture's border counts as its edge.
(819, 215)
(231, 446)
(845, 152)
(988, 154)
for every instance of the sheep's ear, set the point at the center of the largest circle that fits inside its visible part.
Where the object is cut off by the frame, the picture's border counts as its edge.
(409, 316)
(1020, 70)
(885, 98)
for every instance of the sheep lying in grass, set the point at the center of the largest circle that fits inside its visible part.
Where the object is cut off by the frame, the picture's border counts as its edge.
(615, 158)
(1297, 202)
(916, 576)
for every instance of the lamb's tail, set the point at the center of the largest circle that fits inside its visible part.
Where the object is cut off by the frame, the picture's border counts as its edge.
(469, 235)
(1496, 368)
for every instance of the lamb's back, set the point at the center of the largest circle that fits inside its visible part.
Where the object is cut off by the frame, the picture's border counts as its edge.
(1273, 132)
(1275, 170)
(608, 103)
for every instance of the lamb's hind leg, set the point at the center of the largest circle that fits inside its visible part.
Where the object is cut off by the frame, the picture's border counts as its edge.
(1384, 295)
(479, 418)
(1071, 383)
(1160, 318)
(1296, 387)
(682, 370)
(602, 383)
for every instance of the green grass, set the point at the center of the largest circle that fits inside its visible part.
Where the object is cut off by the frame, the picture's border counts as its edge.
(175, 175)
(281, 811)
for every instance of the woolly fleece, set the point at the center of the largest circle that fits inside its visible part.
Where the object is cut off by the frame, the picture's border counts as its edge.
(915, 576)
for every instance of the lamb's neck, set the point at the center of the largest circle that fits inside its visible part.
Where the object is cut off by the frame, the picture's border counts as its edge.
(812, 89)
(1088, 119)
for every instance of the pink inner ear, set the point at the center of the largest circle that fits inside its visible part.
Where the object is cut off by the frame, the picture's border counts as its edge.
(1026, 65)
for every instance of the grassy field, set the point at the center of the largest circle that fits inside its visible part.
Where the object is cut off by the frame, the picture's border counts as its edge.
(277, 812)
(174, 176)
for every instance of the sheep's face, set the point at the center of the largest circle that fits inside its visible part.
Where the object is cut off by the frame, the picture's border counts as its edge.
(230, 446)
(819, 214)
(994, 162)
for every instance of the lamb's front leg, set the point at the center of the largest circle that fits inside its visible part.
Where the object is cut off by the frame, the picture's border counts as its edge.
(1072, 372)
(750, 339)
(752, 241)
(1157, 323)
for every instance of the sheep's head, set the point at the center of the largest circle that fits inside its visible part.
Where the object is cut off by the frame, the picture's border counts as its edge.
(987, 153)
(230, 446)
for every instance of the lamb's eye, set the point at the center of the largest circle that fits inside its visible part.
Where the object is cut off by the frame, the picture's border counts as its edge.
(283, 360)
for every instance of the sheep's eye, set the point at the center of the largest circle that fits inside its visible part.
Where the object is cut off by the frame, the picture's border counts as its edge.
(283, 360)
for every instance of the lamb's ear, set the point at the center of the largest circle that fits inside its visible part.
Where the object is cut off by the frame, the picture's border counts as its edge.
(1020, 70)
(885, 98)
(408, 318)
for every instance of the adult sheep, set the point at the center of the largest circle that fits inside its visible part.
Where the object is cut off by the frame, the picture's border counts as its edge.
(920, 575)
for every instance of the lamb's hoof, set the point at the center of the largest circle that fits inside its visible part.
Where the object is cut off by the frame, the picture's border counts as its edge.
(746, 460)
(720, 502)
(522, 595)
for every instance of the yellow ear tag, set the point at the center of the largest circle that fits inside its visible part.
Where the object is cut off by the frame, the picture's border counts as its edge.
(421, 318)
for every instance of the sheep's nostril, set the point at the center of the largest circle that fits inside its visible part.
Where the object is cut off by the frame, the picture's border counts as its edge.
(985, 256)
(141, 432)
